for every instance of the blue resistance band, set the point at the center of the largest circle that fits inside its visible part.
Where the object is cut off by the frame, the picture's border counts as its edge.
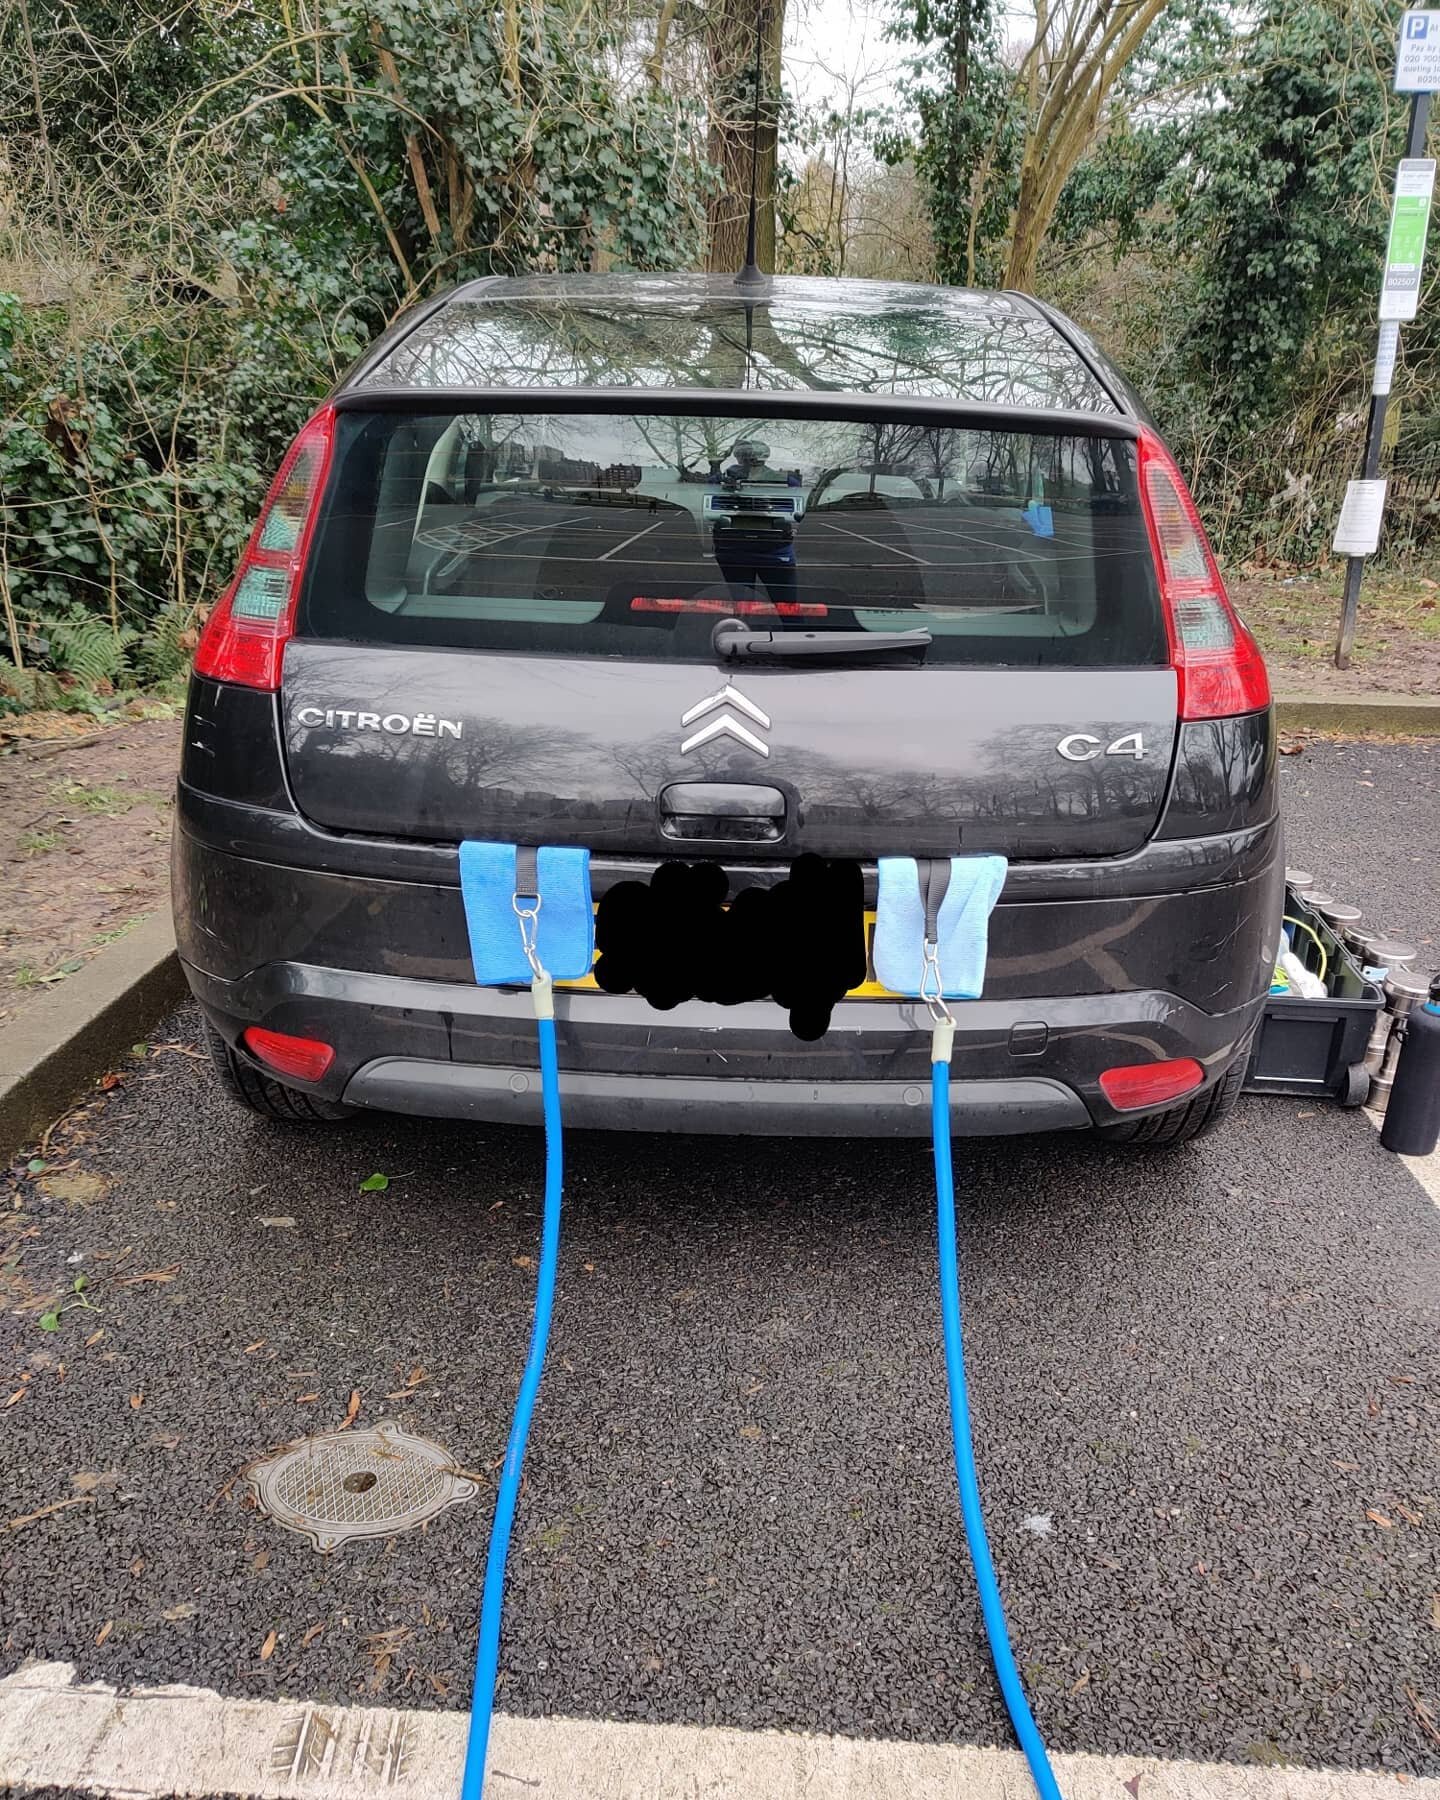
(487, 1654)
(991, 1606)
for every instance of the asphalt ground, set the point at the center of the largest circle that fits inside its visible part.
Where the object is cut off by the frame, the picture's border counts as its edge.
(1204, 1387)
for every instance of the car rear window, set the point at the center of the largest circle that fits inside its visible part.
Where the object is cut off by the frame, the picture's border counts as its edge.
(829, 336)
(621, 534)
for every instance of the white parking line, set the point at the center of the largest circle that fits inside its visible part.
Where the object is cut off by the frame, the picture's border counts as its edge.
(890, 549)
(166, 1742)
(1425, 1169)
(630, 540)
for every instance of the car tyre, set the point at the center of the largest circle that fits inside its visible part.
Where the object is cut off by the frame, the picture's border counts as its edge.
(262, 1094)
(1196, 1118)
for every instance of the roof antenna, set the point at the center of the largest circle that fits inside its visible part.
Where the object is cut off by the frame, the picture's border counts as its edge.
(750, 275)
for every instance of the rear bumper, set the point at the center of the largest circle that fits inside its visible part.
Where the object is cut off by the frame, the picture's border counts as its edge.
(453, 1050)
(1081, 978)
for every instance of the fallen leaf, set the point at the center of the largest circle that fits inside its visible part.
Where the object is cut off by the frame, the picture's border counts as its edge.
(1348, 1467)
(259, 1344)
(18, 1395)
(267, 1649)
(109, 1082)
(1081, 1685)
(77, 1189)
(172, 1615)
(1292, 749)
(49, 1321)
(751, 1431)
(1408, 1514)
(1435, 1612)
(104, 1632)
(416, 1378)
(375, 1184)
(1403, 1380)
(523, 1262)
(310, 1636)
(261, 1560)
(1132, 1786)
(1379, 1518)
(589, 1268)
(137, 1401)
(305, 1399)
(281, 1222)
(352, 1411)
(94, 1338)
(44, 1512)
(88, 1481)
(167, 1274)
(138, 1566)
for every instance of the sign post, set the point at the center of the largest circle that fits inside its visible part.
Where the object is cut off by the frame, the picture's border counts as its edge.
(1417, 73)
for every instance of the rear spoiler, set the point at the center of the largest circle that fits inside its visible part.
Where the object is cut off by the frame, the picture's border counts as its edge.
(741, 404)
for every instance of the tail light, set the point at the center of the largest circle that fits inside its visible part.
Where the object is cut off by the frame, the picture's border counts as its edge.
(244, 637)
(306, 1059)
(1148, 1084)
(1217, 663)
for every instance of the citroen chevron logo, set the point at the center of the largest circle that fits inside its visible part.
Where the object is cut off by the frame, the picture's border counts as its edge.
(727, 725)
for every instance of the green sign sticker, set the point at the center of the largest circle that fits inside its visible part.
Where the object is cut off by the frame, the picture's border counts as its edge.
(1409, 223)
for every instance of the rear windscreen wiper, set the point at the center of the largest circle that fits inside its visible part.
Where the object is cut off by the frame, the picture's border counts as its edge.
(733, 638)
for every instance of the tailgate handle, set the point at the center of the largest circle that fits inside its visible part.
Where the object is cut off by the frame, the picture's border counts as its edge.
(722, 809)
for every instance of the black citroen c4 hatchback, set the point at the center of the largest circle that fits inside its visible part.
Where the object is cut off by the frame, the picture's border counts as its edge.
(741, 589)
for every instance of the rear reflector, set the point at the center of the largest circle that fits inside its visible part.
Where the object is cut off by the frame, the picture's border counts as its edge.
(306, 1059)
(244, 637)
(1148, 1084)
(1217, 663)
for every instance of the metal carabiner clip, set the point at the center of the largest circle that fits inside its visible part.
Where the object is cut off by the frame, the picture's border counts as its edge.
(932, 990)
(529, 930)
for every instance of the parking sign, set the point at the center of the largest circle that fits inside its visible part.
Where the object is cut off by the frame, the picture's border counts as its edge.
(1417, 62)
(1405, 251)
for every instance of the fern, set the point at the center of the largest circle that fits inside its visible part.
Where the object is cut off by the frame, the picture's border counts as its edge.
(82, 644)
(161, 652)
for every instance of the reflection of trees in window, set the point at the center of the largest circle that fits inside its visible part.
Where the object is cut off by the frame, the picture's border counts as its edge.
(870, 340)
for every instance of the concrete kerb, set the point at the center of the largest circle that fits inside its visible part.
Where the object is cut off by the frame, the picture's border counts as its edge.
(1396, 715)
(52, 1053)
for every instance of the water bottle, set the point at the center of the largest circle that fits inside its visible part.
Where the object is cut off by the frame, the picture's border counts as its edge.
(1412, 1119)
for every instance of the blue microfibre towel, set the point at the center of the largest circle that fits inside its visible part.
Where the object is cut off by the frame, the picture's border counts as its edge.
(1040, 519)
(565, 929)
(963, 932)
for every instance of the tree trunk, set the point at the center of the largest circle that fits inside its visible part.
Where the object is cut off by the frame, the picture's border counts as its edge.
(731, 31)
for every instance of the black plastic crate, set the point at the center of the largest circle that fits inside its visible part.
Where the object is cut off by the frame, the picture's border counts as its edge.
(1317, 1046)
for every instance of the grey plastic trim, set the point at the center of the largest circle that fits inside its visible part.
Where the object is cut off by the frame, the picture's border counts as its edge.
(696, 1104)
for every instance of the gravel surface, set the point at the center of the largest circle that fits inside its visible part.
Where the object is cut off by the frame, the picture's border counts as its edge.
(1204, 1387)
(1365, 817)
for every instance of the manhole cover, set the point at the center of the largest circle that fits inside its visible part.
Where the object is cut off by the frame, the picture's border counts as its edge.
(358, 1484)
